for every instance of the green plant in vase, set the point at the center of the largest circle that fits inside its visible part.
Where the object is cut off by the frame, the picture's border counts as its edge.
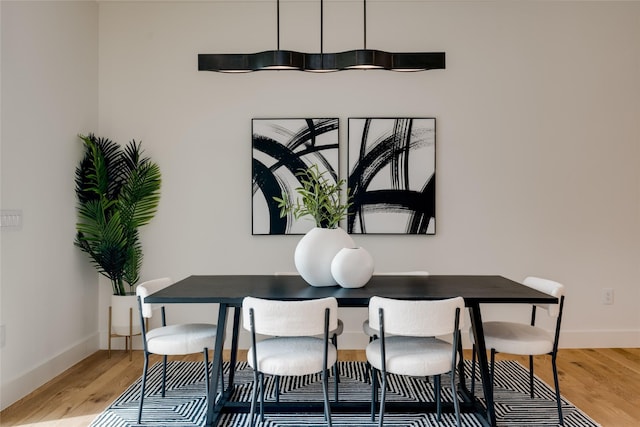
(319, 198)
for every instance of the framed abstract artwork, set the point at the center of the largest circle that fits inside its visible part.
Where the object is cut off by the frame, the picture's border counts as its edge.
(392, 175)
(280, 148)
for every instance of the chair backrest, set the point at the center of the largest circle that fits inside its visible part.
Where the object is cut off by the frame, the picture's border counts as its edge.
(416, 318)
(289, 318)
(549, 287)
(145, 289)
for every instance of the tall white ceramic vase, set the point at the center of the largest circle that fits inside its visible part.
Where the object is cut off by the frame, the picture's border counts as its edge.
(352, 267)
(315, 251)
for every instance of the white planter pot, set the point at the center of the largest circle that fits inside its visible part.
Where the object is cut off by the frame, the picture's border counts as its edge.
(316, 250)
(352, 267)
(125, 319)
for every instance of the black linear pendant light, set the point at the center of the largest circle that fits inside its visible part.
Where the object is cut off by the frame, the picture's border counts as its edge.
(359, 59)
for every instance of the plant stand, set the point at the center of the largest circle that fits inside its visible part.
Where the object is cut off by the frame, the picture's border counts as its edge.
(121, 323)
(128, 339)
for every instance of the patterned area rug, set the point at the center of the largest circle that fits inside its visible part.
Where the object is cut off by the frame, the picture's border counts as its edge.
(185, 403)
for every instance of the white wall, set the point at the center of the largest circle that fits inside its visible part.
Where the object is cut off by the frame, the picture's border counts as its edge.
(537, 136)
(48, 292)
(537, 141)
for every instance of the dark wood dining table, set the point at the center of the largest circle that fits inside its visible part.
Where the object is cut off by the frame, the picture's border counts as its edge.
(229, 290)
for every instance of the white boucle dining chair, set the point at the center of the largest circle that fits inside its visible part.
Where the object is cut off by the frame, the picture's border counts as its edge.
(333, 336)
(169, 340)
(407, 344)
(527, 339)
(292, 346)
(371, 333)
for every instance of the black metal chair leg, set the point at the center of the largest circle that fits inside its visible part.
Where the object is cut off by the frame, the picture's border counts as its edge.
(436, 382)
(374, 392)
(254, 399)
(164, 373)
(383, 386)
(336, 372)
(336, 377)
(325, 393)
(144, 383)
(261, 397)
(557, 385)
(367, 367)
(531, 376)
(454, 395)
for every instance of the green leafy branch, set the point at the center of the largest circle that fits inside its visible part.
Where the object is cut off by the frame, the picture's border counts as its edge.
(319, 198)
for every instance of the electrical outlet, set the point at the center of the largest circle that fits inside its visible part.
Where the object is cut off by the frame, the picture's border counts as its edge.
(607, 296)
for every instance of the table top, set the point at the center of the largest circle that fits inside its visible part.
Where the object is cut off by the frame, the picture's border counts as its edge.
(231, 289)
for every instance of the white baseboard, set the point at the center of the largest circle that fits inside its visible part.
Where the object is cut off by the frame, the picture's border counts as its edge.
(628, 338)
(16, 389)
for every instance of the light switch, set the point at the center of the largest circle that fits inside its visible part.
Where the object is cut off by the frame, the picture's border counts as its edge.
(11, 219)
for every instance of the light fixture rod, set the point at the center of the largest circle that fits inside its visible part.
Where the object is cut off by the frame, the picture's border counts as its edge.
(321, 26)
(364, 14)
(278, 24)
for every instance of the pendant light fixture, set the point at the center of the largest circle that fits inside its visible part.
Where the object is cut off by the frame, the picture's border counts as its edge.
(359, 59)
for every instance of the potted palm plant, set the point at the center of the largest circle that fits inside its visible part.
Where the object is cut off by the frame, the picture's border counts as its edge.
(320, 199)
(118, 191)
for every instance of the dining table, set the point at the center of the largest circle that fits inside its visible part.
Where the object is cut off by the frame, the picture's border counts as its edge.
(228, 292)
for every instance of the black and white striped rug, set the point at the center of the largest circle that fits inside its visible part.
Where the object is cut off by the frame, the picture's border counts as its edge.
(185, 403)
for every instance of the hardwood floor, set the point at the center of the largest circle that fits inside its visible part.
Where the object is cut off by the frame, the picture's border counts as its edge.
(601, 382)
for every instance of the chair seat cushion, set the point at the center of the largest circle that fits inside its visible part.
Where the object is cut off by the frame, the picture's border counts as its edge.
(292, 355)
(181, 339)
(414, 356)
(517, 338)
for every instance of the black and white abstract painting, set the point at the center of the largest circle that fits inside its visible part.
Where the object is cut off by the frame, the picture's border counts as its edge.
(392, 175)
(280, 148)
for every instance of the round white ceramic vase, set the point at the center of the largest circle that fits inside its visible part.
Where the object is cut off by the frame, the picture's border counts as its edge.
(316, 250)
(352, 267)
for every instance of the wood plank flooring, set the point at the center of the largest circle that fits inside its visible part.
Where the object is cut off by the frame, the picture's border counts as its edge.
(601, 382)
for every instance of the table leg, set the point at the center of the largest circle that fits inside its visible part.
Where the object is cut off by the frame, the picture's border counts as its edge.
(483, 363)
(462, 378)
(234, 346)
(217, 362)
